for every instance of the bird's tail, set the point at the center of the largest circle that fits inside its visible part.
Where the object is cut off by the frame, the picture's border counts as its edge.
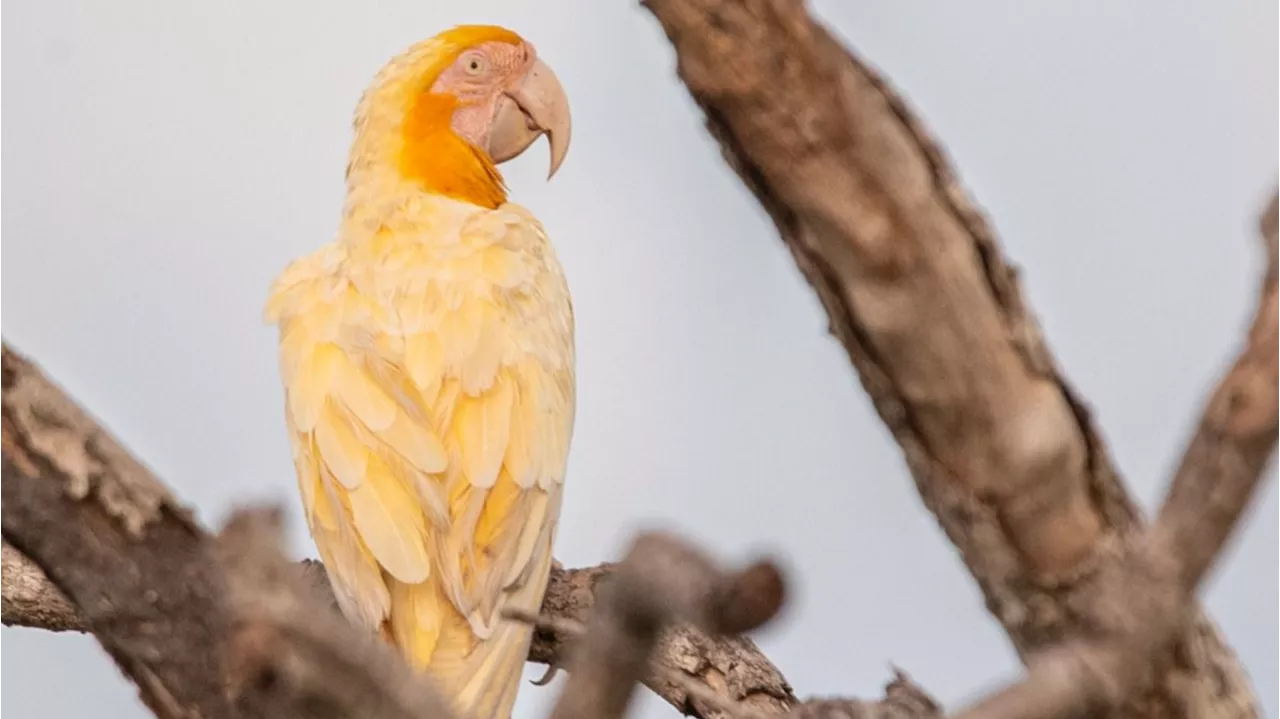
(479, 677)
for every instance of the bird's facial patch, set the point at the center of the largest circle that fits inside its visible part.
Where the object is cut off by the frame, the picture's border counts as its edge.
(480, 100)
(477, 80)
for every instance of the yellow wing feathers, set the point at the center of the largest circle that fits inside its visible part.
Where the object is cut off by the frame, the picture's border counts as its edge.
(430, 402)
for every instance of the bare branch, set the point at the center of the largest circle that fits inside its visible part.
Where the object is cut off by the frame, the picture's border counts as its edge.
(291, 653)
(1144, 599)
(931, 314)
(903, 700)
(698, 674)
(694, 689)
(193, 621)
(933, 320)
(31, 600)
(114, 542)
(662, 581)
(732, 667)
(1236, 436)
(203, 628)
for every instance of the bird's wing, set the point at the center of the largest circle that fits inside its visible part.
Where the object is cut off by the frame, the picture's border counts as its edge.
(430, 402)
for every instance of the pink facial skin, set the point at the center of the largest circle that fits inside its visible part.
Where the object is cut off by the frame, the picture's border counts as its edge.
(478, 79)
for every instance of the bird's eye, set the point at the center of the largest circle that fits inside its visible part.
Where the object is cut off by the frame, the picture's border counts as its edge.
(474, 64)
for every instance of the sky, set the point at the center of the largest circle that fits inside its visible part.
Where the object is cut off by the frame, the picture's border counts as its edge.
(165, 160)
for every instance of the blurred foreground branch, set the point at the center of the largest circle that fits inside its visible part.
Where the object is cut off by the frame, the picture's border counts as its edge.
(224, 626)
(729, 667)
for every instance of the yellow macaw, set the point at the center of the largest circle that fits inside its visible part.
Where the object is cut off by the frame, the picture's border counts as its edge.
(428, 361)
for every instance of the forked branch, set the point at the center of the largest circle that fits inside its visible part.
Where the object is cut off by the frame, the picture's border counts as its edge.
(1145, 598)
(934, 322)
(918, 292)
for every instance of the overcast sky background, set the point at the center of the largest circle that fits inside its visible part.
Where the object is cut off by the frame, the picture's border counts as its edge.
(165, 160)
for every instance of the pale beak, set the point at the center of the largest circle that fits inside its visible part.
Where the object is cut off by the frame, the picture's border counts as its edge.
(535, 105)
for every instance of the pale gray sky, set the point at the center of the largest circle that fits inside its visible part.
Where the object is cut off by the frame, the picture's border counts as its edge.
(165, 160)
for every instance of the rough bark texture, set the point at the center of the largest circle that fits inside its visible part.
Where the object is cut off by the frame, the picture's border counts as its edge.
(93, 542)
(1002, 450)
(662, 581)
(903, 700)
(291, 654)
(31, 600)
(1101, 607)
(1142, 602)
(115, 543)
(204, 628)
(731, 666)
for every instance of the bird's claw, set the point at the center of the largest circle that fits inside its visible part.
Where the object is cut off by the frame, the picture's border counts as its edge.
(547, 677)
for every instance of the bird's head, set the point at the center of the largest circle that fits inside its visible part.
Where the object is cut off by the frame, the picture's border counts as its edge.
(449, 110)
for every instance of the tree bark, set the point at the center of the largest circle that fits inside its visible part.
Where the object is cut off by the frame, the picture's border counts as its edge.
(1101, 607)
(115, 542)
(1002, 450)
(94, 542)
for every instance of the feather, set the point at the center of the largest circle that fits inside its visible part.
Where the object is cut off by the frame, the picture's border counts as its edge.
(389, 520)
(459, 332)
(355, 577)
(481, 369)
(308, 477)
(341, 452)
(366, 400)
(310, 388)
(424, 359)
(417, 616)
(481, 426)
(525, 447)
(416, 443)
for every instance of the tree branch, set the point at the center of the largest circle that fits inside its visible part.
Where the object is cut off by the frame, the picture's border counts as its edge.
(934, 322)
(931, 314)
(731, 668)
(225, 627)
(1144, 599)
(114, 541)
(662, 581)
(31, 600)
(291, 654)
(203, 627)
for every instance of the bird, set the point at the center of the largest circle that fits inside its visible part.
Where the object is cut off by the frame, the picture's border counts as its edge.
(427, 356)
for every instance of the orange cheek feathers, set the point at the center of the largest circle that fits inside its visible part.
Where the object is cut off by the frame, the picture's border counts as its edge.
(440, 161)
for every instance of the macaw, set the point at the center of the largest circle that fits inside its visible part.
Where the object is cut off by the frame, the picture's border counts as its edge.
(427, 356)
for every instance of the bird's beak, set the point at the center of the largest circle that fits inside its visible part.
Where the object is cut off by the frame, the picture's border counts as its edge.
(535, 105)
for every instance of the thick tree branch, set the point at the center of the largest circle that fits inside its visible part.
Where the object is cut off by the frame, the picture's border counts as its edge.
(1143, 600)
(31, 600)
(291, 654)
(930, 312)
(224, 627)
(204, 627)
(729, 667)
(933, 320)
(114, 541)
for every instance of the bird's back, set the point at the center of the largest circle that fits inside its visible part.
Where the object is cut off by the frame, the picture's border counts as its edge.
(428, 361)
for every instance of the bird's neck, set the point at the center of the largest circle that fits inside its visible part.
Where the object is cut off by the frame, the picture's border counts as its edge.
(400, 192)
(405, 145)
